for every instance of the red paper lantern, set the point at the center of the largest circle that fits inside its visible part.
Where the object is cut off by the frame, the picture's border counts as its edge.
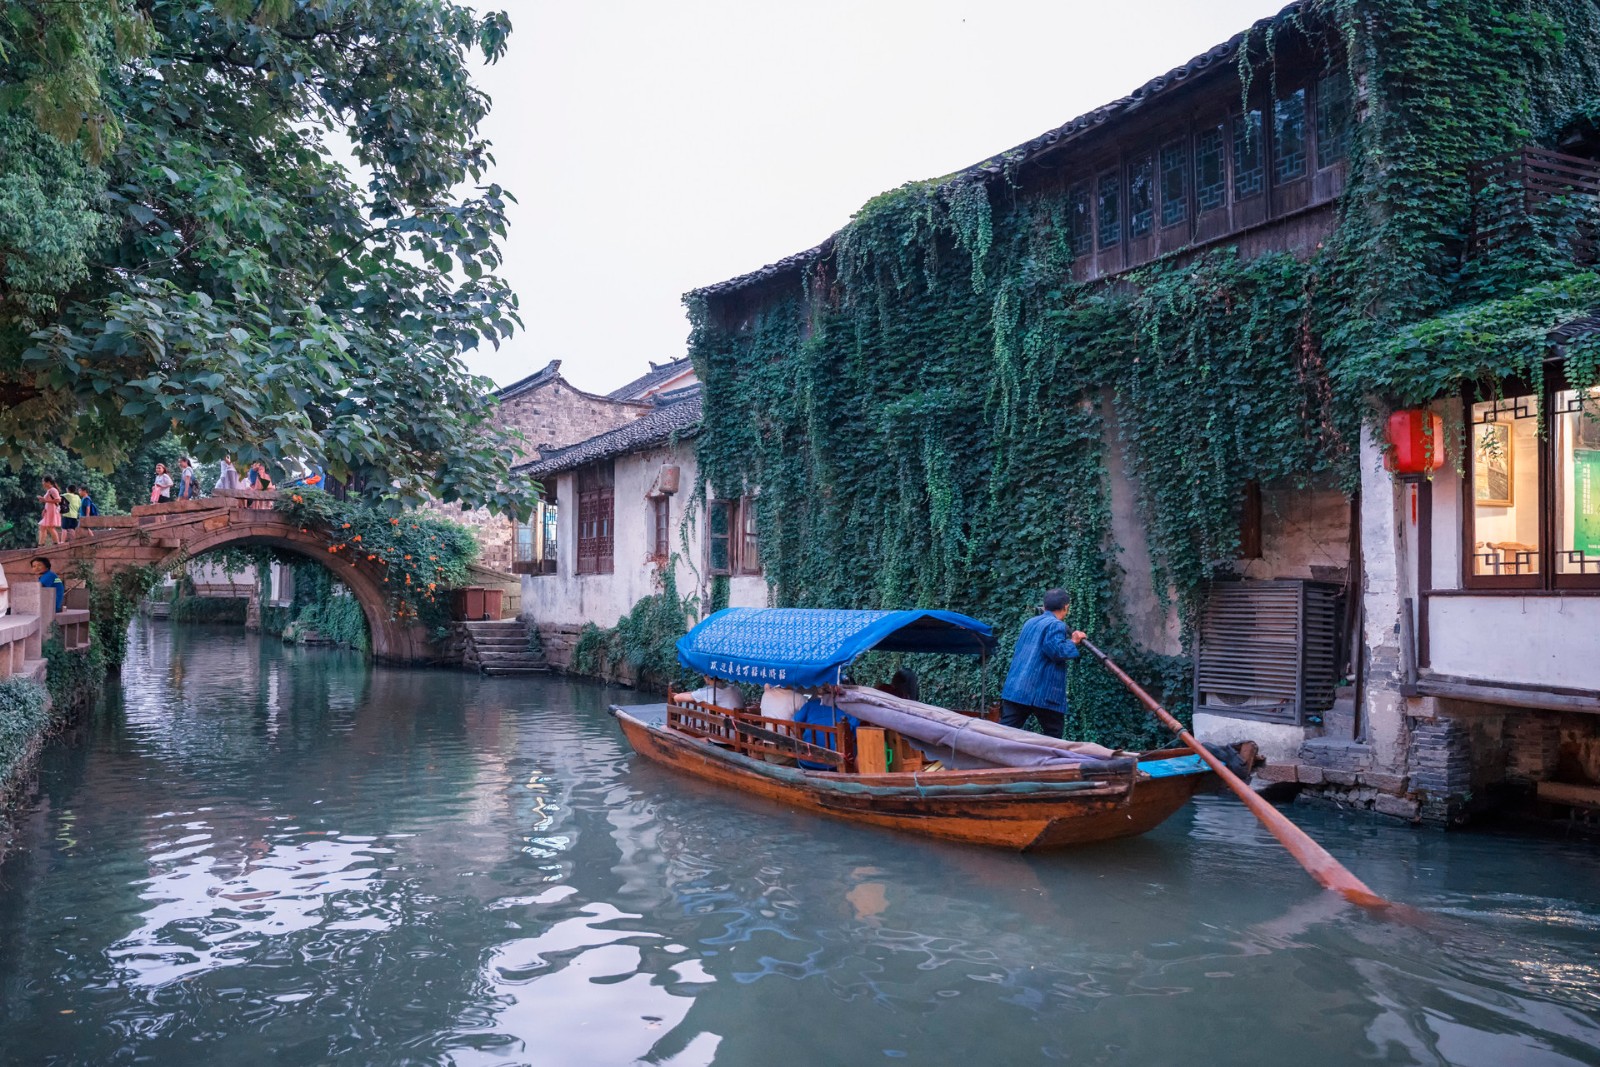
(1416, 442)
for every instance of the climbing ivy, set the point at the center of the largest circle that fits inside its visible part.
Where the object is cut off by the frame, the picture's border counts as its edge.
(112, 603)
(644, 641)
(422, 555)
(930, 411)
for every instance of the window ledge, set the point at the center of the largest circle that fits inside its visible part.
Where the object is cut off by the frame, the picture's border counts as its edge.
(1514, 694)
(1535, 593)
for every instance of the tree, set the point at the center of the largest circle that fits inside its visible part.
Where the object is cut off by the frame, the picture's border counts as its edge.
(183, 249)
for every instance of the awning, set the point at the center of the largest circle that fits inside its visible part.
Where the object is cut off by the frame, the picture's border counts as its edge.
(801, 648)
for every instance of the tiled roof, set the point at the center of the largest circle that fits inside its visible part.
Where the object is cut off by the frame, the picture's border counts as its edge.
(658, 374)
(1571, 331)
(1222, 55)
(551, 371)
(676, 416)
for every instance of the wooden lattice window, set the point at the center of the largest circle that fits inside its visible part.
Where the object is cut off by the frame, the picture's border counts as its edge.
(1289, 137)
(1080, 220)
(1141, 196)
(596, 521)
(1108, 211)
(1210, 169)
(1174, 183)
(1249, 168)
(1333, 117)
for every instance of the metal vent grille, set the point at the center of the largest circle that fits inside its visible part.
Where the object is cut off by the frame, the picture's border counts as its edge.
(1267, 650)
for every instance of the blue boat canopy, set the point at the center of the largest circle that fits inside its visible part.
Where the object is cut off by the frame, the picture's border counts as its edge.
(801, 648)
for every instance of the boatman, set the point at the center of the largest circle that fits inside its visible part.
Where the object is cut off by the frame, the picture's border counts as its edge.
(1036, 685)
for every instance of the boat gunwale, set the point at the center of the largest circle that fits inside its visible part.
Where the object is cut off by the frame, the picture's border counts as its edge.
(1053, 784)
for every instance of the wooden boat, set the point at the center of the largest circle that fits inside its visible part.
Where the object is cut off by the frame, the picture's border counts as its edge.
(842, 770)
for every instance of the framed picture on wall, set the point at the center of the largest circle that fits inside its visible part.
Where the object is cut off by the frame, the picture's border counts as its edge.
(1491, 466)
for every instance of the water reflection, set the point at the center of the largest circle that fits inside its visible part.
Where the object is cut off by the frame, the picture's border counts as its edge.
(280, 856)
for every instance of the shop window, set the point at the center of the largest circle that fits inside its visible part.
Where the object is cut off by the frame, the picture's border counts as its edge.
(596, 540)
(1289, 137)
(1141, 197)
(1249, 168)
(1533, 499)
(1210, 177)
(1577, 483)
(1108, 211)
(1174, 183)
(1503, 447)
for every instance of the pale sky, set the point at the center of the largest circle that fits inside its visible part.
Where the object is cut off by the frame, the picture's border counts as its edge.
(656, 146)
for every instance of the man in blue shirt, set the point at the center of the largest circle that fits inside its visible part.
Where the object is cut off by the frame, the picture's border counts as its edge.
(1036, 685)
(49, 579)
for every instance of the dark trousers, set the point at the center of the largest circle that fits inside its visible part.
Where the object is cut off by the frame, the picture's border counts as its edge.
(1051, 723)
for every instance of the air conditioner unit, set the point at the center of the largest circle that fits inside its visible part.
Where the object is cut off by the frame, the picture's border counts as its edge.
(1268, 650)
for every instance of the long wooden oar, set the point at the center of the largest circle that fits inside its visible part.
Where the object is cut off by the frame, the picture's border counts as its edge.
(1312, 856)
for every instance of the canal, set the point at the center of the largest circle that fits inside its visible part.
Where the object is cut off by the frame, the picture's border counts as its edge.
(266, 855)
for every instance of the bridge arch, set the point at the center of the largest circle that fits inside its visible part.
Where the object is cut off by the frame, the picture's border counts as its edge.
(393, 641)
(165, 535)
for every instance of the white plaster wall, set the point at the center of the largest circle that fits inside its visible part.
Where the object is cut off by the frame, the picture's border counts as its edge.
(1535, 640)
(1386, 582)
(1278, 742)
(1305, 533)
(568, 599)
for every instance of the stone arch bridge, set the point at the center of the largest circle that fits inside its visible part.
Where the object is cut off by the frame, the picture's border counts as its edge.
(165, 535)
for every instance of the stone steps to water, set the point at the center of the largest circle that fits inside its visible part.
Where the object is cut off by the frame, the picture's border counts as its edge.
(501, 647)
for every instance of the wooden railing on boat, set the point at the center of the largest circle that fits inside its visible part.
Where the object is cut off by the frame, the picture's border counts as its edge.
(833, 747)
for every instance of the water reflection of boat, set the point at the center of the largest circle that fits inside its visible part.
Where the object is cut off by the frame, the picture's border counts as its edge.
(959, 776)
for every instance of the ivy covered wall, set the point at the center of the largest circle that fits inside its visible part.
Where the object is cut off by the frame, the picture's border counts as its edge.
(923, 403)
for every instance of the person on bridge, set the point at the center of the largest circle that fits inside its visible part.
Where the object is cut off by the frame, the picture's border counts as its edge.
(261, 481)
(88, 510)
(187, 490)
(229, 478)
(50, 521)
(1036, 685)
(49, 579)
(71, 506)
(161, 488)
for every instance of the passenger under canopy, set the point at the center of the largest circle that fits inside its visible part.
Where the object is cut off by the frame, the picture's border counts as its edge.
(802, 648)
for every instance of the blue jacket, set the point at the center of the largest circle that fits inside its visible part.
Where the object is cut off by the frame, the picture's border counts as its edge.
(52, 580)
(1038, 675)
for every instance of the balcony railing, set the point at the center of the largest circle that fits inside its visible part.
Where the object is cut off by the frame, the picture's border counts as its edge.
(1536, 194)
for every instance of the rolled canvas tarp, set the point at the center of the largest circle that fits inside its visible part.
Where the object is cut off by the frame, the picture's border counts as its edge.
(966, 743)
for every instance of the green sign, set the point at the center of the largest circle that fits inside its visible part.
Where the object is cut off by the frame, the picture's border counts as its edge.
(1586, 501)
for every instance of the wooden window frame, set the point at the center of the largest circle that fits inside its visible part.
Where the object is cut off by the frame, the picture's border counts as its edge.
(660, 527)
(1548, 579)
(748, 538)
(743, 550)
(597, 519)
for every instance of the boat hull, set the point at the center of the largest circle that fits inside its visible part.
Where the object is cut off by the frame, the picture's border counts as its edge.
(1019, 810)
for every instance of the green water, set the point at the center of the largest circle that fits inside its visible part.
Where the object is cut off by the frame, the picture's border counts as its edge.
(260, 855)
